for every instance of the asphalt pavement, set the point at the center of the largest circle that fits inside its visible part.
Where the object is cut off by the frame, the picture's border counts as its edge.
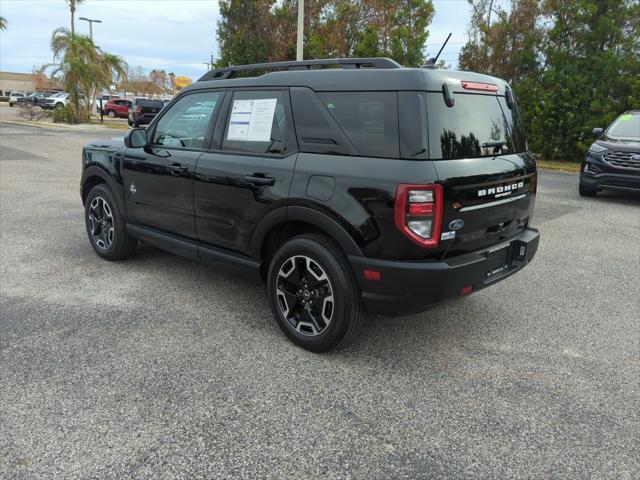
(159, 367)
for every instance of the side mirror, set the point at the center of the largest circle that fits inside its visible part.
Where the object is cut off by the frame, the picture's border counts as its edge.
(136, 138)
(597, 132)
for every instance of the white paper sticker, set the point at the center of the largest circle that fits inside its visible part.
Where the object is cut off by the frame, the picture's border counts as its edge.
(251, 120)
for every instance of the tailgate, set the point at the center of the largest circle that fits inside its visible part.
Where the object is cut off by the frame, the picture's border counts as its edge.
(486, 200)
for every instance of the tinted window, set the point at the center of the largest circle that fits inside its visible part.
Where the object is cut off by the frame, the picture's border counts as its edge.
(256, 123)
(369, 118)
(626, 126)
(477, 125)
(186, 123)
(150, 103)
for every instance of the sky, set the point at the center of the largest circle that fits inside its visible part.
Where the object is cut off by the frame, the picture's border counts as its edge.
(173, 35)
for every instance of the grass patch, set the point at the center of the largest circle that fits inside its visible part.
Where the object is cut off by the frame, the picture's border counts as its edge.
(108, 124)
(571, 167)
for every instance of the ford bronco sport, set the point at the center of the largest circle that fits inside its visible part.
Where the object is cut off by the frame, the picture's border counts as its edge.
(366, 187)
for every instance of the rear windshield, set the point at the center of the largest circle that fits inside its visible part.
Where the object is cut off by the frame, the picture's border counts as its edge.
(477, 125)
(150, 103)
(626, 127)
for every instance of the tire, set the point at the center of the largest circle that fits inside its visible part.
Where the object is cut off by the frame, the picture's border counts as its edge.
(586, 192)
(112, 243)
(59, 105)
(11, 104)
(331, 316)
(111, 114)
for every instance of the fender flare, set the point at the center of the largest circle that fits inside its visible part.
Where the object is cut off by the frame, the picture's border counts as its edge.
(117, 189)
(307, 215)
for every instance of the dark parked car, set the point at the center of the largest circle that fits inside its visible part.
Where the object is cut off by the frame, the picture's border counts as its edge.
(142, 111)
(118, 107)
(372, 187)
(35, 98)
(613, 161)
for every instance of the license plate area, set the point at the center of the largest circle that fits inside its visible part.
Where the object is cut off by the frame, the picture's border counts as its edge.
(498, 261)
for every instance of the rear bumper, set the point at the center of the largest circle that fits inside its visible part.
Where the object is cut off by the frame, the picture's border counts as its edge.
(408, 287)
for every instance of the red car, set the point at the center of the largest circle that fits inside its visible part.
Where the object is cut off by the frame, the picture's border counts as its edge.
(117, 107)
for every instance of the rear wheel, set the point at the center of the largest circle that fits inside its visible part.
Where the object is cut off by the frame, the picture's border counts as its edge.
(313, 295)
(106, 228)
(586, 192)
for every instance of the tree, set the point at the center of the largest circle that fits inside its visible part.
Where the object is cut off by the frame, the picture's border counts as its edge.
(265, 30)
(574, 64)
(83, 67)
(3, 23)
(73, 4)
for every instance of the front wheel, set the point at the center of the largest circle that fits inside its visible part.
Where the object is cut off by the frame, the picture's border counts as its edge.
(313, 295)
(106, 227)
(111, 114)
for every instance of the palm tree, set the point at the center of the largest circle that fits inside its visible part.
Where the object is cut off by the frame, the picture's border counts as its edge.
(3, 23)
(83, 67)
(72, 6)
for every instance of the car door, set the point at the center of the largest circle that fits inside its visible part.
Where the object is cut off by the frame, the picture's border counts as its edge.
(248, 171)
(158, 179)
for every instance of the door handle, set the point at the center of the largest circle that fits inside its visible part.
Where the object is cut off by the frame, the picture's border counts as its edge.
(177, 169)
(260, 181)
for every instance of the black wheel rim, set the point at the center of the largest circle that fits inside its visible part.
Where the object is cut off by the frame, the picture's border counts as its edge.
(101, 223)
(305, 295)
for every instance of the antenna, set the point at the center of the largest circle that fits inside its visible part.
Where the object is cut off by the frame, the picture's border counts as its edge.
(431, 63)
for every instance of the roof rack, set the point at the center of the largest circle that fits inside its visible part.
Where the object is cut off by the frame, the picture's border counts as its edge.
(230, 72)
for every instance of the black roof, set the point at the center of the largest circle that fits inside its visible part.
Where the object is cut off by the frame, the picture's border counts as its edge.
(373, 74)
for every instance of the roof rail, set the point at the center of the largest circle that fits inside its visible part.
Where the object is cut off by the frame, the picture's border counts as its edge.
(230, 72)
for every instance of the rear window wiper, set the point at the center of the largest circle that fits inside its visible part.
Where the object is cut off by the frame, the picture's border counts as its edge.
(497, 146)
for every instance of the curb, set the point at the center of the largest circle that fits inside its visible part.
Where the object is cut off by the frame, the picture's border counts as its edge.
(79, 127)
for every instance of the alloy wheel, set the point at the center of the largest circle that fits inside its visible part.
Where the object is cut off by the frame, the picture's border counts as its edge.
(101, 223)
(305, 295)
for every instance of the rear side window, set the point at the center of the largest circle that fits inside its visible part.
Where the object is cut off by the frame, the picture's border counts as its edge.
(477, 125)
(370, 119)
(257, 123)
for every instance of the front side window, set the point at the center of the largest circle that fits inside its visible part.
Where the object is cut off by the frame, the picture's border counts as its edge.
(369, 118)
(256, 123)
(186, 123)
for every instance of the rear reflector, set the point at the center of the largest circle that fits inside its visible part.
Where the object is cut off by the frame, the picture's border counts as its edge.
(483, 87)
(466, 290)
(418, 213)
(372, 275)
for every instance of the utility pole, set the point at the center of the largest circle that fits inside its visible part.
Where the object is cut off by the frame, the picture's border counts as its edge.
(91, 22)
(299, 52)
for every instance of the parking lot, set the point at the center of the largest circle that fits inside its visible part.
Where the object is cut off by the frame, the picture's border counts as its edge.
(158, 367)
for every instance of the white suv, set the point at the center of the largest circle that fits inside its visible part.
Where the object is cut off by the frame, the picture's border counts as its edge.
(58, 100)
(13, 98)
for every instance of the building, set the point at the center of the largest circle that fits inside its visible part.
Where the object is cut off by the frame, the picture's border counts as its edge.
(16, 82)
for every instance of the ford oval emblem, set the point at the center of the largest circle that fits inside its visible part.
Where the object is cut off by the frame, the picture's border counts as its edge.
(635, 157)
(456, 224)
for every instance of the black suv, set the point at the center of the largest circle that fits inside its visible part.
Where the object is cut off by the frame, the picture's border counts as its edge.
(613, 161)
(142, 111)
(367, 187)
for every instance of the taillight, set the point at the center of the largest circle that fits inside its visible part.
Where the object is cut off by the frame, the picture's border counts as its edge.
(418, 213)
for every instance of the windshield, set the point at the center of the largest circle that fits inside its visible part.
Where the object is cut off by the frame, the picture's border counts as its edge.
(626, 126)
(477, 125)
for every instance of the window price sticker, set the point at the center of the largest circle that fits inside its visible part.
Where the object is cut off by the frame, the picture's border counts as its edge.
(251, 120)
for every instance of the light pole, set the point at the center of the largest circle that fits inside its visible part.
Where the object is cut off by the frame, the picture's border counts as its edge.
(91, 22)
(299, 53)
